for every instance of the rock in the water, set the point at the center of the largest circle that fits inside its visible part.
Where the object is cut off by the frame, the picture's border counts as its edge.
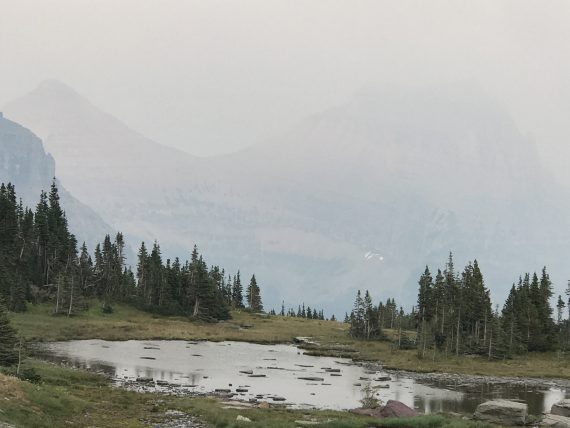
(503, 412)
(562, 408)
(383, 379)
(555, 421)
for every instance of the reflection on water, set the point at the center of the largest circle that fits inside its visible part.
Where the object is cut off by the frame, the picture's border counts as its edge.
(268, 371)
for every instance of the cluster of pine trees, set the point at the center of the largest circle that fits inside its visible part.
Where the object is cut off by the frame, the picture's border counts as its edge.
(367, 321)
(455, 315)
(303, 312)
(39, 261)
(527, 315)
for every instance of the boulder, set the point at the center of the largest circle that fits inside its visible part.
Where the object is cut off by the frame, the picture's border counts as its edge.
(392, 409)
(366, 412)
(397, 409)
(502, 412)
(555, 421)
(562, 408)
(241, 418)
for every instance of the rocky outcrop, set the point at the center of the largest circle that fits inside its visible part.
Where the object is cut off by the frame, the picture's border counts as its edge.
(562, 408)
(555, 421)
(385, 157)
(392, 409)
(502, 412)
(24, 163)
(397, 409)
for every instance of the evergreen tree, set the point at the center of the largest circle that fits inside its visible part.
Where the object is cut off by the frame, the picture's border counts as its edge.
(8, 340)
(253, 296)
(237, 293)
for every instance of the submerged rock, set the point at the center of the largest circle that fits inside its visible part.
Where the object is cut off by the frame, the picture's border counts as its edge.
(383, 379)
(278, 398)
(502, 412)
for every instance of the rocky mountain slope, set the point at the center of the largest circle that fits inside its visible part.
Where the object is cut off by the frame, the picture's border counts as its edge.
(24, 163)
(360, 196)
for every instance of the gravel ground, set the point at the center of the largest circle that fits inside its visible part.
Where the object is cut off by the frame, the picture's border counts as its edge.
(176, 419)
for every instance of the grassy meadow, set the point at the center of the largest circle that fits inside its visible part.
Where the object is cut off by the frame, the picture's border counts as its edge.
(69, 397)
(126, 322)
(76, 398)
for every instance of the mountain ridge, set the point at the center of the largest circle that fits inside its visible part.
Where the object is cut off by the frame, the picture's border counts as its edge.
(304, 208)
(24, 163)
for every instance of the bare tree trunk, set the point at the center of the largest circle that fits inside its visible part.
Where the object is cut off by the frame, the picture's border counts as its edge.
(400, 331)
(457, 335)
(71, 298)
(485, 330)
(476, 333)
(196, 307)
(57, 298)
(19, 357)
(512, 333)
(490, 343)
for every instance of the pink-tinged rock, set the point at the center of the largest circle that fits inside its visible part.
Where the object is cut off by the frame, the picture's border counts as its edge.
(392, 409)
(397, 409)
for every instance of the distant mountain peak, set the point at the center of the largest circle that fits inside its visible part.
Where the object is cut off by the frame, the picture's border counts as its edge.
(59, 93)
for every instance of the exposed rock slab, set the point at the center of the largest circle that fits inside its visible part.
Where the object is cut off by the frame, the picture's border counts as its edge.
(502, 412)
(561, 408)
(397, 409)
(392, 409)
(555, 421)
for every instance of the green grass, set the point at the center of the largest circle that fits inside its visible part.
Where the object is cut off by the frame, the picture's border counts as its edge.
(126, 322)
(68, 397)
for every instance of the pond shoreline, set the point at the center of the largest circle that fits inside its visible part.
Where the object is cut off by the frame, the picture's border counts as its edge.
(435, 376)
(284, 376)
(459, 379)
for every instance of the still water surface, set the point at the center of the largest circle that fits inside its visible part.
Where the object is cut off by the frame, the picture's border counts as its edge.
(203, 367)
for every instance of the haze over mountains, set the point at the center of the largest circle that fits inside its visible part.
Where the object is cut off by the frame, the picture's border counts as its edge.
(360, 196)
(24, 163)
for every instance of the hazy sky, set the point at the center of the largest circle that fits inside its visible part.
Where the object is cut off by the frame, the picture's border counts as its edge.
(215, 76)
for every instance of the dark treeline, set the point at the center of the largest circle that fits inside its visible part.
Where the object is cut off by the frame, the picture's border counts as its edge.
(368, 321)
(454, 315)
(40, 261)
(302, 312)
